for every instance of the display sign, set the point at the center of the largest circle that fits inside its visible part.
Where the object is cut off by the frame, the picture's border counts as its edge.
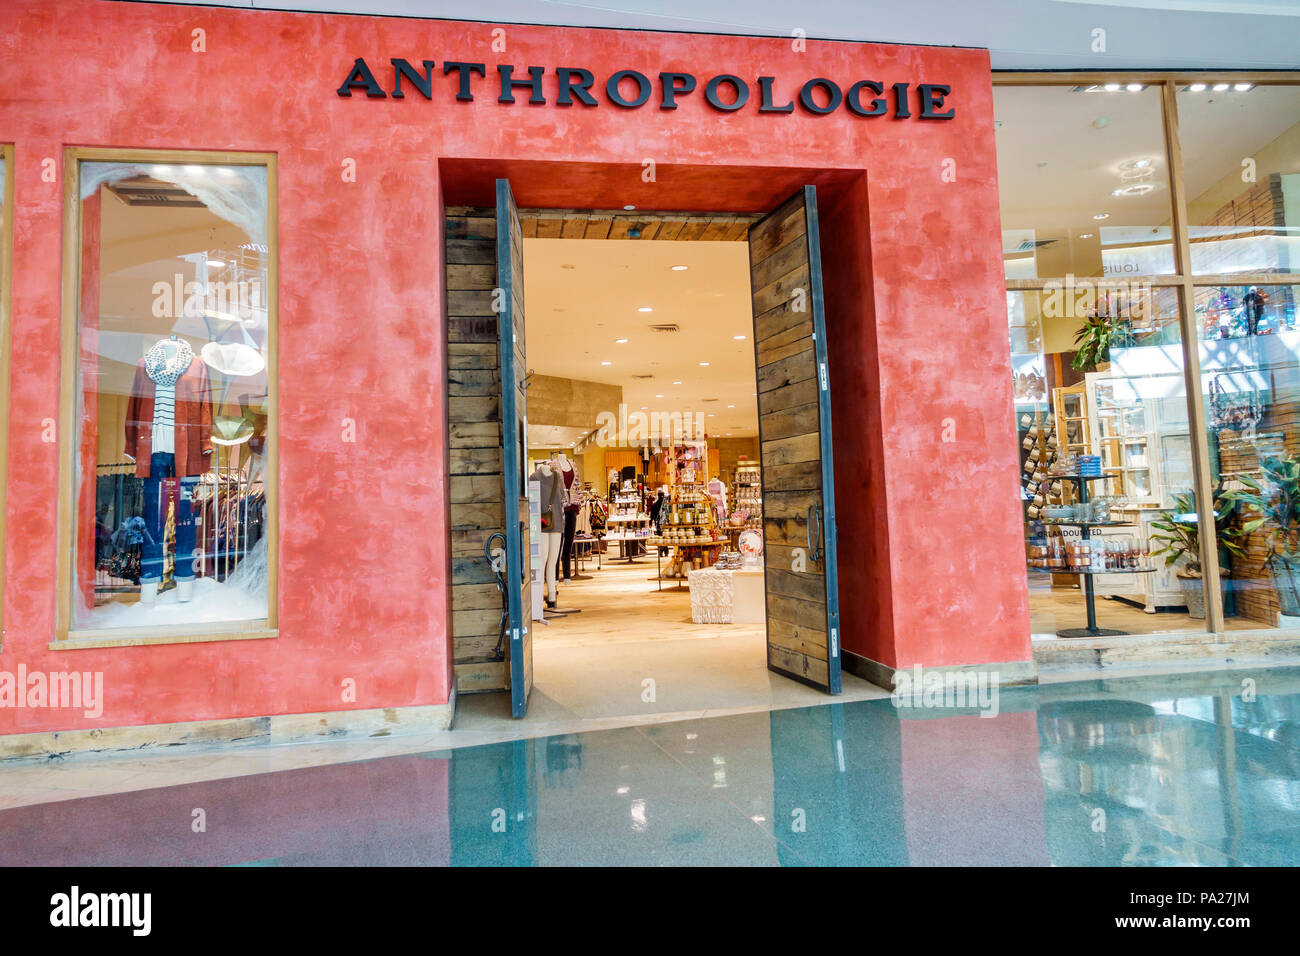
(632, 89)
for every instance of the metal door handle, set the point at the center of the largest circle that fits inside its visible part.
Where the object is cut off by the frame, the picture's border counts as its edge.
(814, 544)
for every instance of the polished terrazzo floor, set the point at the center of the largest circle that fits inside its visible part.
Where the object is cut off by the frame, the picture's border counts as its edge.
(1193, 769)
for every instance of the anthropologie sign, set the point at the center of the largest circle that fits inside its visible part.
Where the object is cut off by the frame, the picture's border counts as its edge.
(632, 89)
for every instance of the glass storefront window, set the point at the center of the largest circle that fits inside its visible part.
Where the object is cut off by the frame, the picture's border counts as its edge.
(1083, 181)
(1249, 352)
(1241, 162)
(174, 375)
(1121, 409)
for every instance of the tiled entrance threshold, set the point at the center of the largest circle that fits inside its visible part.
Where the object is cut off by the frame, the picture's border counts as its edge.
(1200, 768)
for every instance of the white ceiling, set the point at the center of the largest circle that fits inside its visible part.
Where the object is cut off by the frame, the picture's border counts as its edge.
(1059, 151)
(1020, 34)
(575, 315)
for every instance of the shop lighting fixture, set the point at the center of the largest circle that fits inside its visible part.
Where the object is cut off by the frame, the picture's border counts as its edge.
(645, 308)
(629, 207)
(1243, 87)
(162, 170)
(1101, 215)
(620, 341)
(606, 363)
(680, 268)
(1086, 235)
(216, 264)
(1111, 87)
(731, 406)
(658, 396)
(1197, 88)
(1138, 189)
(677, 383)
(704, 363)
(1220, 87)
(195, 170)
(1135, 87)
(738, 338)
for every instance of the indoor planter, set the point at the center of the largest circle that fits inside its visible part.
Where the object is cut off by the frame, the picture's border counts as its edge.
(1093, 342)
(1180, 537)
(1275, 499)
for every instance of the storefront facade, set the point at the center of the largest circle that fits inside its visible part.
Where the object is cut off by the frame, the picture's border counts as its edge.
(340, 164)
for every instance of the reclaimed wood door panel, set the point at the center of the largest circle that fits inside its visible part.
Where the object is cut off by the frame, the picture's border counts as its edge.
(794, 443)
(514, 419)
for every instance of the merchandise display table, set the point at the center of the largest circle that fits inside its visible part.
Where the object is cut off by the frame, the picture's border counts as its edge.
(727, 596)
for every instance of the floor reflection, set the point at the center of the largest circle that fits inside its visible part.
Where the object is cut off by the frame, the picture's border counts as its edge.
(1199, 769)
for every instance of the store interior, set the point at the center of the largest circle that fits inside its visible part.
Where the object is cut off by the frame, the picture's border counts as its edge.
(1106, 450)
(643, 444)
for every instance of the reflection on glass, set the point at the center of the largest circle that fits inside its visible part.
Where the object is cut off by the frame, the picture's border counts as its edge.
(1122, 401)
(171, 522)
(1083, 181)
(1241, 163)
(1250, 368)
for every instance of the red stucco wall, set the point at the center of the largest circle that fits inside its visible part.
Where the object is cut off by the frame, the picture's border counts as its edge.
(363, 553)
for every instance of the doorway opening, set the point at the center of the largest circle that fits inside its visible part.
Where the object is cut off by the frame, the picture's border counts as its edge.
(643, 398)
(667, 436)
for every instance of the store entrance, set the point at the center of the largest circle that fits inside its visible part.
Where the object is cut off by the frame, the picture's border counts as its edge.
(665, 454)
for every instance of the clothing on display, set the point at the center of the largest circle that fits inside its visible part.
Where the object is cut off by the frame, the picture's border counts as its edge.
(185, 429)
(162, 488)
(552, 498)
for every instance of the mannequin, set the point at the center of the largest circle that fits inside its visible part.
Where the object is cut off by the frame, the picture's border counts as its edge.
(552, 520)
(168, 436)
(573, 504)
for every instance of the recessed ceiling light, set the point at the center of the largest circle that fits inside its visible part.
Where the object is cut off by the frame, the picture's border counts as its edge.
(738, 338)
(644, 407)
(1135, 87)
(1138, 189)
(1086, 235)
(216, 264)
(1242, 87)
(679, 268)
(658, 396)
(645, 308)
(677, 383)
(704, 363)
(731, 406)
(606, 363)
(1111, 87)
(1220, 87)
(620, 341)
(1197, 88)
(629, 207)
(1101, 215)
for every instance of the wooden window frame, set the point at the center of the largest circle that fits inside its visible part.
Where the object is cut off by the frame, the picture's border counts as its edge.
(1168, 83)
(66, 637)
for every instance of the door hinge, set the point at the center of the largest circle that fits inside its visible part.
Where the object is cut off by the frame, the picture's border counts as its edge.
(825, 383)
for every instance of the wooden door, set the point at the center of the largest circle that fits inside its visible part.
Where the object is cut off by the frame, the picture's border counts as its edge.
(514, 432)
(794, 424)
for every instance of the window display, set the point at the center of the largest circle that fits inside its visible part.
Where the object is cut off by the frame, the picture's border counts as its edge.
(172, 526)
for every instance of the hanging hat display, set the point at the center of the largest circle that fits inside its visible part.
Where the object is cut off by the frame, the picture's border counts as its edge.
(234, 358)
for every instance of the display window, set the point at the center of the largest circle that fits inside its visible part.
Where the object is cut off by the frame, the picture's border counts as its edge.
(1083, 181)
(170, 463)
(6, 262)
(1156, 381)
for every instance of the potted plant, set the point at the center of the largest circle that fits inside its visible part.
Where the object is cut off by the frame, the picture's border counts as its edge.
(1180, 536)
(1094, 340)
(1276, 502)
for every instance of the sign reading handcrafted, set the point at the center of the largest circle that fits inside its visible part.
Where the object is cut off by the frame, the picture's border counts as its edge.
(630, 89)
